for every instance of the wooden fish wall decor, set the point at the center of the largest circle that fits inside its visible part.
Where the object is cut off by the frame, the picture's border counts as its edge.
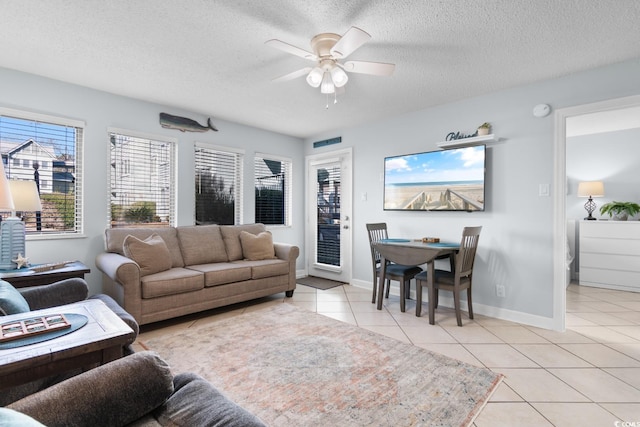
(184, 124)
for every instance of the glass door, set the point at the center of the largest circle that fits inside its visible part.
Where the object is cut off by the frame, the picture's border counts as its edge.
(329, 213)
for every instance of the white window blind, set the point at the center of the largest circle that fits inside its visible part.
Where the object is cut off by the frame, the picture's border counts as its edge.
(218, 185)
(141, 178)
(47, 150)
(272, 189)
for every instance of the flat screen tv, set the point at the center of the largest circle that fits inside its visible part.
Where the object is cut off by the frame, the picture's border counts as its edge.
(443, 180)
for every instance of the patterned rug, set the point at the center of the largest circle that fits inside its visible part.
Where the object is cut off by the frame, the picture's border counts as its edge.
(292, 367)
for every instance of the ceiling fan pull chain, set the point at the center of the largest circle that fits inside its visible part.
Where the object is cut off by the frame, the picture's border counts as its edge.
(335, 97)
(326, 107)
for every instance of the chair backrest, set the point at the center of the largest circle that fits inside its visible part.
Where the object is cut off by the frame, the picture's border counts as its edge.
(376, 231)
(467, 254)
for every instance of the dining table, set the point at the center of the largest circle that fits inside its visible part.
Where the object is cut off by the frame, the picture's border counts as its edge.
(410, 253)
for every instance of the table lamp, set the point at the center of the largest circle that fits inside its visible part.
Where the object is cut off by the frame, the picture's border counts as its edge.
(10, 228)
(590, 189)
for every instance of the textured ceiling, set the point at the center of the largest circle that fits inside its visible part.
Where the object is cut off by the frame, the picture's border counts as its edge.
(208, 56)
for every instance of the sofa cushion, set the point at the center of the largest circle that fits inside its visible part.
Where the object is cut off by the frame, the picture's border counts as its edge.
(195, 402)
(222, 273)
(114, 240)
(11, 301)
(151, 254)
(201, 244)
(231, 236)
(256, 247)
(171, 282)
(266, 268)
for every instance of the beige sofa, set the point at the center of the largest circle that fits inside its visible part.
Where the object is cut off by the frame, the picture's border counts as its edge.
(187, 269)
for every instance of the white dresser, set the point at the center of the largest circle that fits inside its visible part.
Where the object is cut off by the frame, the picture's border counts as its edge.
(610, 254)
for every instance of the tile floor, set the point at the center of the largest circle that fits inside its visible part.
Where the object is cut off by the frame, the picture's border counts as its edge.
(586, 376)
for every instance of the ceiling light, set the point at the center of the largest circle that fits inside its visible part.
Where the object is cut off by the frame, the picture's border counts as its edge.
(327, 84)
(314, 78)
(339, 77)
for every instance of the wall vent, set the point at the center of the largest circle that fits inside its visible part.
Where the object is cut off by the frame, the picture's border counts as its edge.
(326, 142)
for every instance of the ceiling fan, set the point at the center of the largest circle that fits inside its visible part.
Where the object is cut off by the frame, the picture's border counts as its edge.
(328, 50)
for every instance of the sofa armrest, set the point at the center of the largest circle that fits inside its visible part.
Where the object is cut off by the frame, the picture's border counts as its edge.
(63, 292)
(121, 281)
(290, 254)
(114, 394)
(119, 268)
(286, 251)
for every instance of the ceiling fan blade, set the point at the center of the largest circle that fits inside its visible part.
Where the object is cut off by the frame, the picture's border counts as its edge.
(373, 68)
(293, 75)
(349, 42)
(289, 48)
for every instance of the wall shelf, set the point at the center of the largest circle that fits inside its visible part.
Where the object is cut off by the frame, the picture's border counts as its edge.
(464, 142)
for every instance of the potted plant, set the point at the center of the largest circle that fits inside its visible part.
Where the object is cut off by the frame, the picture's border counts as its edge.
(484, 129)
(620, 210)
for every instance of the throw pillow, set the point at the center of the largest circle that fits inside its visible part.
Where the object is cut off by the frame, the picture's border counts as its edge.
(257, 247)
(151, 254)
(11, 301)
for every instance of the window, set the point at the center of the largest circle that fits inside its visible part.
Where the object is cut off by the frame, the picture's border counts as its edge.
(272, 190)
(27, 142)
(218, 185)
(141, 178)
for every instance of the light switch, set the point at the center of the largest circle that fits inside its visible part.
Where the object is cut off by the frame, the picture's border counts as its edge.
(363, 197)
(543, 190)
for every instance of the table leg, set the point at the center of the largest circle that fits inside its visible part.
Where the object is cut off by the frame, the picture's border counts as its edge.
(383, 274)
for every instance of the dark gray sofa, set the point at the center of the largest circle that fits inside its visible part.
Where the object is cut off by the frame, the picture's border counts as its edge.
(137, 390)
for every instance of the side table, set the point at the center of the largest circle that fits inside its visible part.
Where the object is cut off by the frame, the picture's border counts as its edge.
(26, 277)
(98, 342)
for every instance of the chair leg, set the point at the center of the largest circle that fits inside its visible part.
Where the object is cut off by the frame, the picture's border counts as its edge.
(469, 303)
(402, 296)
(418, 297)
(432, 304)
(388, 288)
(456, 303)
(407, 289)
(436, 298)
(375, 285)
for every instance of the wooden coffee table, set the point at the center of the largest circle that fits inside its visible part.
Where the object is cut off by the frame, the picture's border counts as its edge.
(98, 342)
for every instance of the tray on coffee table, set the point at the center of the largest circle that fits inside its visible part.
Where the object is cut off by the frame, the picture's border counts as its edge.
(32, 326)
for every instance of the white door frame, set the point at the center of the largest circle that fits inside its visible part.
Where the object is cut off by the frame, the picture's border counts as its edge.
(345, 156)
(560, 195)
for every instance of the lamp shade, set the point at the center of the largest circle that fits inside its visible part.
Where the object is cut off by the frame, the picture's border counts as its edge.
(6, 201)
(339, 77)
(591, 189)
(25, 195)
(314, 78)
(327, 84)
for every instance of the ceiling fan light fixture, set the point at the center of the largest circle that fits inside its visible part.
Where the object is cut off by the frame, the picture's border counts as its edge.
(314, 78)
(327, 85)
(339, 77)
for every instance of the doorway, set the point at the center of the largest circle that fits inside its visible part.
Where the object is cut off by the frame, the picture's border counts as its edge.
(560, 194)
(328, 231)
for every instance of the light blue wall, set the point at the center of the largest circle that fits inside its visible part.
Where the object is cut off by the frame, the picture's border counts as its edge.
(100, 111)
(516, 243)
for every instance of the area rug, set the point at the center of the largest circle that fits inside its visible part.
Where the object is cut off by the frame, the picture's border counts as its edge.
(319, 282)
(292, 367)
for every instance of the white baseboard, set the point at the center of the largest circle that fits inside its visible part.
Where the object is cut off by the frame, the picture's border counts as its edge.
(485, 310)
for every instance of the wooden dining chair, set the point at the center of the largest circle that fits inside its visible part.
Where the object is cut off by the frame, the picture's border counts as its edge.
(457, 280)
(397, 272)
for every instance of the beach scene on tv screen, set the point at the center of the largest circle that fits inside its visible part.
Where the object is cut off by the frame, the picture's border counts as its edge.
(437, 180)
